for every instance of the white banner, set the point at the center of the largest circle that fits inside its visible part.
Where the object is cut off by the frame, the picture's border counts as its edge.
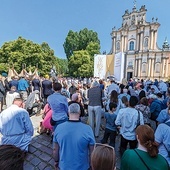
(119, 63)
(100, 66)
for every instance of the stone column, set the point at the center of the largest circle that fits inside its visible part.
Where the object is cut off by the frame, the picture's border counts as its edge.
(138, 42)
(155, 39)
(114, 44)
(151, 47)
(141, 41)
(166, 71)
(152, 67)
(122, 43)
(136, 67)
(149, 68)
(125, 48)
(139, 67)
(163, 68)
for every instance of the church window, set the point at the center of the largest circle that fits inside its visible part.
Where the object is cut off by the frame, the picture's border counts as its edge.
(131, 45)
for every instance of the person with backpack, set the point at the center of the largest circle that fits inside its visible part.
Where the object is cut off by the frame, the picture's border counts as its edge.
(155, 107)
(127, 120)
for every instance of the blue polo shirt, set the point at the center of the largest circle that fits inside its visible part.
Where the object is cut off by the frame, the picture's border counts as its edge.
(74, 138)
(59, 106)
(163, 116)
(22, 85)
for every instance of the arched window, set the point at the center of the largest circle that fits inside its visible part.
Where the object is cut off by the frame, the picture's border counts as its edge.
(131, 45)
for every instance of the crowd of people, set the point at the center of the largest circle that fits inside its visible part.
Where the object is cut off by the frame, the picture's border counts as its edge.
(137, 111)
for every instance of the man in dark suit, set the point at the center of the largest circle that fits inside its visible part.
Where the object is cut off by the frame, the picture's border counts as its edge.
(46, 88)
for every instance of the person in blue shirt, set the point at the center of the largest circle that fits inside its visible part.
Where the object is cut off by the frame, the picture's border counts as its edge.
(14, 82)
(155, 107)
(16, 126)
(73, 142)
(23, 88)
(59, 105)
(162, 138)
(164, 115)
(110, 129)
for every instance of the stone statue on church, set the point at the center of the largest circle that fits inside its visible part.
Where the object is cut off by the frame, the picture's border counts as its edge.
(127, 12)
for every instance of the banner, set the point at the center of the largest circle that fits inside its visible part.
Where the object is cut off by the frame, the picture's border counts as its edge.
(100, 66)
(109, 65)
(119, 63)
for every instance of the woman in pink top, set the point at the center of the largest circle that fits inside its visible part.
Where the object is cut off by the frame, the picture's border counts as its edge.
(46, 117)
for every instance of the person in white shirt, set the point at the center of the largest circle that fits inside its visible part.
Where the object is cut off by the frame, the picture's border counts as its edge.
(15, 126)
(163, 88)
(127, 120)
(11, 95)
(111, 87)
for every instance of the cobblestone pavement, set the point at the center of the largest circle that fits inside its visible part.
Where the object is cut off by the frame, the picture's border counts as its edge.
(40, 156)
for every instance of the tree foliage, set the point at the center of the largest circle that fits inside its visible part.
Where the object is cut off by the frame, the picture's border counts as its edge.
(80, 48)
(80, 64)
(76, 41)
(22, 52)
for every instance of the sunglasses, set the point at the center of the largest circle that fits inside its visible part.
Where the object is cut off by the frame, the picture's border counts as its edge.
(105, 145)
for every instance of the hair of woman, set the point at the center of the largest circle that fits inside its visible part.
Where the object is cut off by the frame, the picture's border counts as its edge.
(125, 101)
(103, 157)
(142, 94)
(145, 135)
(114, 96)
(144, 101)
(11, 157)
(121, 88)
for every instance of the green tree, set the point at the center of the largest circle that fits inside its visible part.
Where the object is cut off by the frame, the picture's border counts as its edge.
(71, 43)
(76, 41)
(22, 51)
(93, 48)
(62, 68)
(80, 64)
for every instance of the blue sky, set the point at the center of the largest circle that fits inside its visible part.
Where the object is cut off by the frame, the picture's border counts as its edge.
(50, 20)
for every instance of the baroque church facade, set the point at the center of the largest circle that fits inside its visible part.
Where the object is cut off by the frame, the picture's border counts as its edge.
(137, 39)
